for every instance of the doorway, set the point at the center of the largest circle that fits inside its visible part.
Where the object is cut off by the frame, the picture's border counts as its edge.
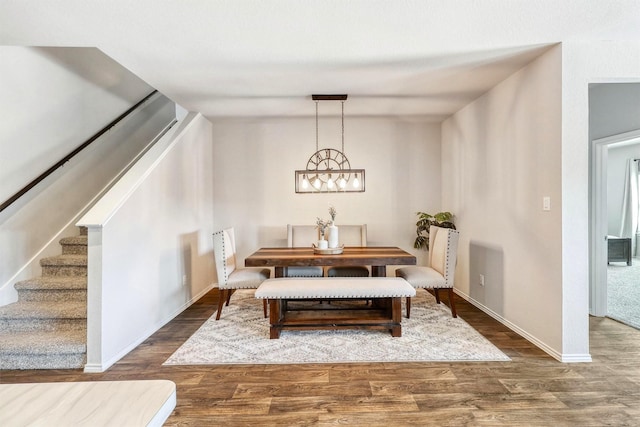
(610, 294)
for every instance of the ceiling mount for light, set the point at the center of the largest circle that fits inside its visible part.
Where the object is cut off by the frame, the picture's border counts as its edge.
(329, 97)
(328, 170)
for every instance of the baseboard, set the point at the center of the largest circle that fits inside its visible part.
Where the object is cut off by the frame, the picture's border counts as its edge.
(565, 358)
(576, 358)
(95, 368)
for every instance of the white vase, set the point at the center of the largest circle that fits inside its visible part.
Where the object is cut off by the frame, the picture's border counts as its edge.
(333, 236)
(322, 244)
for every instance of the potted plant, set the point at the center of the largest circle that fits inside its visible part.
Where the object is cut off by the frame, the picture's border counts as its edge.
(425, 220)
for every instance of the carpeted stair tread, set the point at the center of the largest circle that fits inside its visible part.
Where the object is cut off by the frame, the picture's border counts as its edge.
(74, 240)
(53, 283)
(64, 260)
(47, 327)
(76, 245)
(43, 350)
(50, 343)
(44, 310)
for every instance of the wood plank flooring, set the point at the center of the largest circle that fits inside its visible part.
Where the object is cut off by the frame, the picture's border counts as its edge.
(531, 390)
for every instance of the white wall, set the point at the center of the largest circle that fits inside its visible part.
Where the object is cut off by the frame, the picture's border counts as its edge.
(150, 243)
(70, 94)
(583, 63)
(614, 108)
(53, 99)
(501, 156)
(255, 160)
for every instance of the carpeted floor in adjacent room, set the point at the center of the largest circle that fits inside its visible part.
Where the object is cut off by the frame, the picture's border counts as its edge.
(623, 292)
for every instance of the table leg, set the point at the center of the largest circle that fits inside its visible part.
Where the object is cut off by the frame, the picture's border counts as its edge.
(280, 271)
(379, 271)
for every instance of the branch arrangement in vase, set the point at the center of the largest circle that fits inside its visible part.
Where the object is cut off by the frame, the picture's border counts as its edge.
(322, 226)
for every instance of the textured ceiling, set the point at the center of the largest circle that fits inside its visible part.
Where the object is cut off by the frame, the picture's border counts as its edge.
(423, 58)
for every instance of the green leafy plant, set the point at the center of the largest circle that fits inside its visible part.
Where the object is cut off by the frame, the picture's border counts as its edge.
(425, 220)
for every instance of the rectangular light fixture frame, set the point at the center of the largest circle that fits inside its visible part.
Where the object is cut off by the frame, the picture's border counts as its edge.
(324, 176)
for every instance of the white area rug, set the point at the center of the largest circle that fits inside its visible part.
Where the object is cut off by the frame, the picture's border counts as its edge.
(623, 292)
(242, 336)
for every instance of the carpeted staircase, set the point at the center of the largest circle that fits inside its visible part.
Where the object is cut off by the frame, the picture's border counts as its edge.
(47, 327)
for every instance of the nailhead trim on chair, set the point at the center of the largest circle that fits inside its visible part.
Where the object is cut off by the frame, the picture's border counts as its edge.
(224, 257)
(243, 276)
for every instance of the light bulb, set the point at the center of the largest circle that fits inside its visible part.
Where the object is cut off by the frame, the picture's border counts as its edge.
(356, 182)
(342, 182)
(317, 183)
(305, 182)
(330, 182)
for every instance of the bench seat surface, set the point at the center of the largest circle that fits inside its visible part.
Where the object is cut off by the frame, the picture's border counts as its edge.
(334, 287)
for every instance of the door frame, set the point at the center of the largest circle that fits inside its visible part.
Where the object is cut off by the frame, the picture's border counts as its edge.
(599, 223)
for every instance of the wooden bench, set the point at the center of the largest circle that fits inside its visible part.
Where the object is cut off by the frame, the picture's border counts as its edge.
(385, 312)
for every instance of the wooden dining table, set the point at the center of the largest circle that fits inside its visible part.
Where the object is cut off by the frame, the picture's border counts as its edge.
(378, 257)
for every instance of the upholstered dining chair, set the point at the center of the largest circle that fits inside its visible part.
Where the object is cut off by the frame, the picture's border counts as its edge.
(230, 277)
(439, 274)
(351, 235)
(302, 236)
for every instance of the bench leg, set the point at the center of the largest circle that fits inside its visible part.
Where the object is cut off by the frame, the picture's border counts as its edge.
(275, 318)
(396, 316)
(408, 307)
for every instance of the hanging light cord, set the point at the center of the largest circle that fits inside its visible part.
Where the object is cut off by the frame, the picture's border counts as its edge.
(317, 155)
(342, 127)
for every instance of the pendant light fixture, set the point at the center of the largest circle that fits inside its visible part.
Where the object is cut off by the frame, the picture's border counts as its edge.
(328, 170)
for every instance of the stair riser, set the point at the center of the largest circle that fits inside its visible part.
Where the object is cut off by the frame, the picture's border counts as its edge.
(53, 296)
(74, 249)
(42, 361)
(25, 325)
(67, 270)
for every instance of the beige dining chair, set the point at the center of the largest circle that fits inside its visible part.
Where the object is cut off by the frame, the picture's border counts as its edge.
(351, 235)
(230, 277)
(439, 274)
(303, 236)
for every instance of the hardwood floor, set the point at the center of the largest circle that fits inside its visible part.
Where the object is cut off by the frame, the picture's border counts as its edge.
(531, 390)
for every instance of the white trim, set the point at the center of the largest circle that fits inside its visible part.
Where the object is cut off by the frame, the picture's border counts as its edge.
(94, 368)
(598, 225)
(567, 358)
(104, 209)
(576, 358)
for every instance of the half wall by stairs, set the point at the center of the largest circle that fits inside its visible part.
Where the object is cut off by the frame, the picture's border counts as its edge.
(47, 327)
